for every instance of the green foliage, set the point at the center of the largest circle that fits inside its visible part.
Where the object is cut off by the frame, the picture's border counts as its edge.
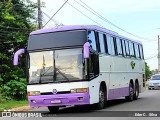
(12, 104)
(16, 89)
(16, 22)
(147, 71)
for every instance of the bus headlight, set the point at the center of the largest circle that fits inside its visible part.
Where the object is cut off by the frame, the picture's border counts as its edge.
(33, 93)
(79, 90)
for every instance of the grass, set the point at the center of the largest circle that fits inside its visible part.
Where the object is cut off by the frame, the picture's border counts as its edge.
(12, 104)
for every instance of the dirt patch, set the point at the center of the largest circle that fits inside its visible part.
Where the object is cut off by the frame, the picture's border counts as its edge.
(22, 108)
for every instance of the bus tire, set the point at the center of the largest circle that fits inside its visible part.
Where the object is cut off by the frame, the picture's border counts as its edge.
(131, 93)
(53, 109)
(136, 94)
(102, 99)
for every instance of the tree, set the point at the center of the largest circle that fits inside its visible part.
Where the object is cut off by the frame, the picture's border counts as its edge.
(147, 71)
(16, 22)
(156, 71)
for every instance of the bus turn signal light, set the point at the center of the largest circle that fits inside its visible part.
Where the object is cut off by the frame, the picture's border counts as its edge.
(33, 93)
(79, 90)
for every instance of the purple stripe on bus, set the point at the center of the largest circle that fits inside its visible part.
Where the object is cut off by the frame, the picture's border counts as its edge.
(61, 99)
(72, 27)
(118, 92)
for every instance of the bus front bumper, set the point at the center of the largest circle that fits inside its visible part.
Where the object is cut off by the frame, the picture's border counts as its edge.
(70, 99)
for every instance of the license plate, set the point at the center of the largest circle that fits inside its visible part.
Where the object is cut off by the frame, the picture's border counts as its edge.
(56, 101)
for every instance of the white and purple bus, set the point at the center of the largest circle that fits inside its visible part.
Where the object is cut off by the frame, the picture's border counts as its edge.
(82, 65)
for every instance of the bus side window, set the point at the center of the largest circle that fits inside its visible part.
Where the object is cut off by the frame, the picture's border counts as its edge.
(101, 42)
(141, 51)
(92, 40)
(127, 48)
(137, 51)
(123, 47)
(112, 45)
(131, 47)
(105, 43)
(108, 38)
(119, 47)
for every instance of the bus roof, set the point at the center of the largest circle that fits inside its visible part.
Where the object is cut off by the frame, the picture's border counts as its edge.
(79, 27)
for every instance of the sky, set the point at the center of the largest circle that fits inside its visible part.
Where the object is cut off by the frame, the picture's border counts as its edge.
(139, 17)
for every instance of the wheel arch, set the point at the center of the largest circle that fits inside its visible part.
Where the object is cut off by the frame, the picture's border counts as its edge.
(132, 82)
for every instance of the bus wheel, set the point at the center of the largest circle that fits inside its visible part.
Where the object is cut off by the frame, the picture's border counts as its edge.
(53, 109)
(136, 94)
(131, 93)
(101, 104)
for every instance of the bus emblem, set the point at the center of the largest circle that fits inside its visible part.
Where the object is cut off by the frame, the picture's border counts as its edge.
(54, 91)
(132, 64)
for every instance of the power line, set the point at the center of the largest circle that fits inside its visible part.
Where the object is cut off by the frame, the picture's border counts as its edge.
(56, 22)
(151, 57)
(56, 12)
(106, 20)
(85, 15)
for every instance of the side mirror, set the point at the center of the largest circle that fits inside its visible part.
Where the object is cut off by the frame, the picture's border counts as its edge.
(19, 52)
(86, 50)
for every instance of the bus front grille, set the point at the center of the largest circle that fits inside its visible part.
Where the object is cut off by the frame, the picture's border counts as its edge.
(60, 92)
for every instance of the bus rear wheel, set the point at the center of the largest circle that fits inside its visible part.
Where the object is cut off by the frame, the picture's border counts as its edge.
(53, 109)
(136, 94)
(102, 99)
(131, 93)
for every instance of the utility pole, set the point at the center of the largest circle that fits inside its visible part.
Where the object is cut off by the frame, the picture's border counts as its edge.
(158, 53)
(39, 15)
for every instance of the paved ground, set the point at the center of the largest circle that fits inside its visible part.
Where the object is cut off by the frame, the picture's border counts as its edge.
(148, 101)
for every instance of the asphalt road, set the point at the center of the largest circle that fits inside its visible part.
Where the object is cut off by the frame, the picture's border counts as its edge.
(117, 109)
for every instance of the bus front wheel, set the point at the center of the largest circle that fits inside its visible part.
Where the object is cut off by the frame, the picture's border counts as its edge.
(102, 99)
(53, 109)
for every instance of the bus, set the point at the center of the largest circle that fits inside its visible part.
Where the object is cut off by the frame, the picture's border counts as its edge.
(82, 65)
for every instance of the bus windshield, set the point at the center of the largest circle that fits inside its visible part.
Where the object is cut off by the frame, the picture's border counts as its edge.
(56, 66)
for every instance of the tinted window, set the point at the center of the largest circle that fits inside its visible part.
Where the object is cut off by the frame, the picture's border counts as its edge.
(57, 40)
(101, 41)
(127, 48)
(141, 51)
(110, 45)
(131, 47)
(92, 39)
(123, 47)
(137, 51)
(119, 46)
(105, 43)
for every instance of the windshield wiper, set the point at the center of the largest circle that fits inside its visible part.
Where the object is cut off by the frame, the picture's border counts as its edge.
(43, 70)
(46, 71)
(43, 67)
(62, 74)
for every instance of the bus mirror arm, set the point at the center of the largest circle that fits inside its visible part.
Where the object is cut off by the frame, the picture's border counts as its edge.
(19, 52)
(86, 50)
